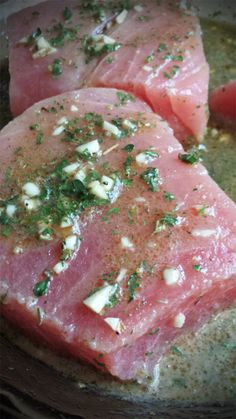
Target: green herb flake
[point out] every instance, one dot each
(168, 219)
(31, 39)
(128, 148)
(113, 211)
(39, 138)
(127, 165)
(162, 47)
(41, 287)
(56, 67)
(133, 285)
(230, 345)
(148, 353)
(197, 268)
(127, 182)
(151, 178)
(151, 153)
(166, 75)
(34, 127)
(125, 98)
(110, 59)
(63, 34)
(177, 58)
(149, 58)
(176, 351)
(175, 70)
(180, 382)
(192, 157)
(6, 231)
(168, 196)
(67, 13)
(92, 50)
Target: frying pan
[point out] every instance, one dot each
(33, 389)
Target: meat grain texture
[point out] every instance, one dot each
(154, 51)
(154, 255)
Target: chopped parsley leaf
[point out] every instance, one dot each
(133, 285)
(168, 196)
(63, 34)
(56, 67)
(151, 178)
(197, 268)
(129, 148)
(92, 50)
(125, 98)
(177, 351)
(162, 47)
(41, 287)
(127, 165)
(67, 13)
(192, 157)
(39, 138)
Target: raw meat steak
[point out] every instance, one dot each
(222, 103)
(111, 236)
(153, 50)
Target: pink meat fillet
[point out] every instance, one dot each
(222, 103)
(164, 249)
(160, 59)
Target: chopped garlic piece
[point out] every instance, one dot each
(147, 68)
(111, 128)
(100, 298)
(126, 243)
(115, 323)
(121, 275)
(104, 39)
(140, 199)
(179, 320)
(143, 159)
(138, 8)
(58, 130)
(122, 16)
(66, 222)
(171, 276)
(62, 121)
(107, 183)
(18, 250)
(71, 242)
(80, 175)
(74, 108)
(60, 267)
(44, 234)
(30, 204)
(128, 124)
(93, 147)
(44, 48)
(71, 168)
(97, 189)
(203, 232)
(31, 189)
(10, 210)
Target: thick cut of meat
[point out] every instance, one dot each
(222, 103)
(155, 51)
(162, 61)
(157, 247)
(31, 79)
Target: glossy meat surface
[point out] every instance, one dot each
(163, 241)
